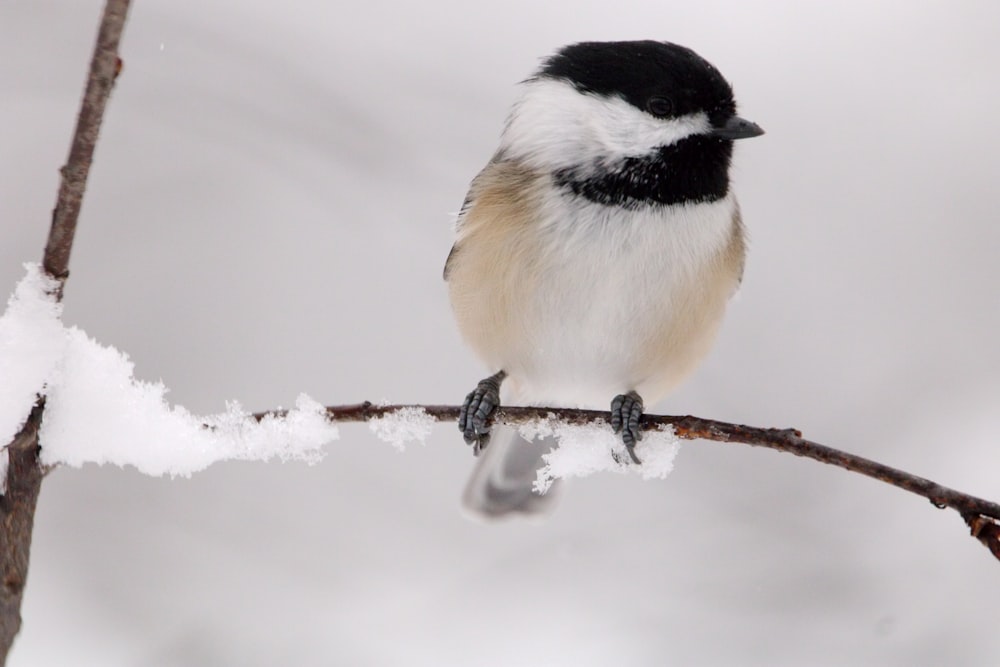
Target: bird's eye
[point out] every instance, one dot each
(660, 106)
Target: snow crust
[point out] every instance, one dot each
(98, 412)
(585, 449)
(407, 424)
(32, 341)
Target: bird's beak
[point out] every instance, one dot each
(737, 128)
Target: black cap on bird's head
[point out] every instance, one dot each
(628, 124)
(662, 79)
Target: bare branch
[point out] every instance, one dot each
(104, 68)
(981, 515)
(24, 474)
(17, 511)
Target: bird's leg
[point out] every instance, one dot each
(477, 412)
(626, 411)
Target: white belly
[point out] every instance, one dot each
(596, 301)
(622, 307)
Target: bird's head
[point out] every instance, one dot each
(593, 105)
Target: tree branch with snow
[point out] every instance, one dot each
(580, 432)
(24, 475)
(97, 412)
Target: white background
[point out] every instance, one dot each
(269, 212)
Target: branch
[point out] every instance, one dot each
(981, 515)
(24, 475)
(104, 68)
(17, 509)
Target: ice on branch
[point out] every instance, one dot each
(584, 449)
(409, 424)
(98, 412)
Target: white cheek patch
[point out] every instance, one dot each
(554, 126)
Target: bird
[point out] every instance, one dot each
(596, 252)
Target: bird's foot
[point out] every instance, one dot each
(626, 411)
(477, 412)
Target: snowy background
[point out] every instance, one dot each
(269, 213)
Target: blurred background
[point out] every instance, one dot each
(269, 212)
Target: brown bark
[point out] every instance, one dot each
(104, 68)
(17, 518)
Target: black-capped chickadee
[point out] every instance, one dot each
(596, 252)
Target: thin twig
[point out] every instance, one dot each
(981, 515)
(104, 68)
(24, 475)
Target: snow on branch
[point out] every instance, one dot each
(31, 343)
(96, 411)
(982, 516)
(23, 475)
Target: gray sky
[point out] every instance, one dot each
(269, 213)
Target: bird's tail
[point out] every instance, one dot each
(502, 481)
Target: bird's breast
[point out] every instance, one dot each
(579, 301)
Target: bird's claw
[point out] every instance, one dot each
(476, 412)
(626, 412)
